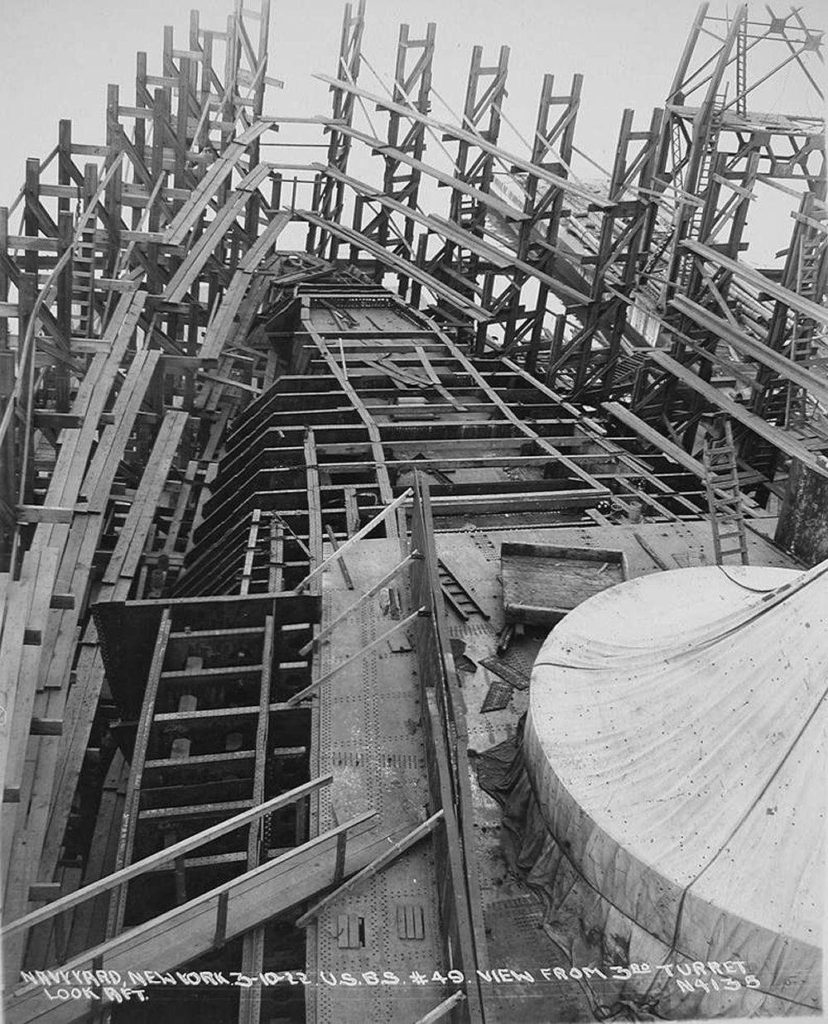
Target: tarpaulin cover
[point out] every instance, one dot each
(674, 779)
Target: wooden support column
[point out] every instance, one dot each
(206, 86)
(250, 553)
(277, 555)
(314, 510)
(160, 114)
(181, 124)
(27, 292)
(253, 941)
(85, 258)
(112, 199)
(8, 459)
(64, 313)
(4, 276)
(328, 196)
(141, 97)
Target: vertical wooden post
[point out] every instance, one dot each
(112, 200)
(206, 84)
(160, 111)
(86, 275)
(27, 292)
(64, 312)
(64, 162)
(4, 277)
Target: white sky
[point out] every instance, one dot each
(57, 56)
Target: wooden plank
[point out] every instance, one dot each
(276, 556)
(486, 199)
(220, 169)
(473, 243)
(121, 570)
(181, 504)
(253, 941)
(43, 514)
(363, 597)
(104, 465)
(372, 869)
(196, 759)
(758, 280)
(265, 242)
(648, 548)
(442, 1009)
(449, 783)
(657, 440)
(368, 528)
(343, 568)
(49, 702)
(668, 448)
(780, 439)
(508, 414)
(250, 552)
(27, 606)
(374, 436)
(123, 563)
(314, 509)
(396, 263)
(314, 686)
(472, 138)
(189, 930)
(352, 508)
(167, 855)
(90, 402)
(79, 712)
(200, 253)
(88, 920)
(220, 327)
(742, 342)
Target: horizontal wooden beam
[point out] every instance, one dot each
(44, 514)
(46, 727)
(40, 891)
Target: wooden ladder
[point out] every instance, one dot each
(803, 342)
(723, 497)
(456, 594)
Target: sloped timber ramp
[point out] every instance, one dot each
(675, 747)
(196, 927)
